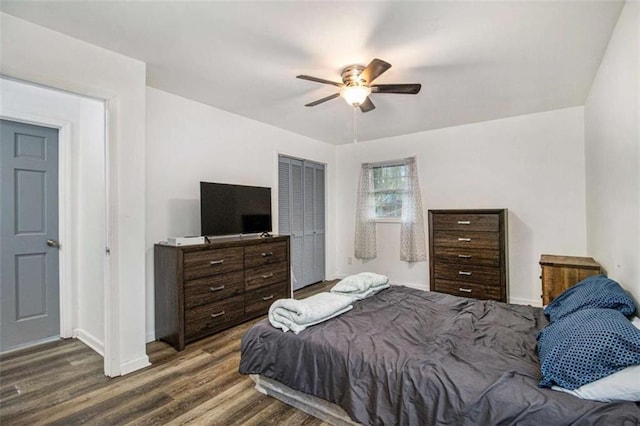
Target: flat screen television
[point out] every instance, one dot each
(234, 209)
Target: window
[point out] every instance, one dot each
(389, 187)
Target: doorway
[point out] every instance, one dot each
(81, 123)
(301, 215)
(29, 258)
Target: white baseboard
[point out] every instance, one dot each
(521, 301)
(335, 277)
(150, 336)
(134, 365)
(89, 340)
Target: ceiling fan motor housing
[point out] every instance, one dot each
(351, 76)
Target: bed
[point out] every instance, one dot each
(405, 356)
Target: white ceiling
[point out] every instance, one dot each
(476, 60)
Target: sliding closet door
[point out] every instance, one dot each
(301, 215)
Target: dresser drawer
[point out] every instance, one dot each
(477, 291)
(265, 254)
(205, 319)
(265, 275)
(468, 273)
(210, 289)
(470, 239)
(204, 263)
(257, 302)
(466, 222)
(467, 256)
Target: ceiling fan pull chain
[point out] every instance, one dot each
(355, 127)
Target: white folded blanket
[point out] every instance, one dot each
(296, 315)
(361, 285)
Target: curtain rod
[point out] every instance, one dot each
(390, 162)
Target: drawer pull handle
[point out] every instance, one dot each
(464, 222)
(216, 288)
(216, 262)
(465, 290)
(265, 298)
(464, 256)
(264, 277)
(217, 314)
(464, 239)
(267, 254)
(464, 273)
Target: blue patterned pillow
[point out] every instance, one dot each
(586, 346)
(596, 291)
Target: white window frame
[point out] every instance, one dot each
(387, 219)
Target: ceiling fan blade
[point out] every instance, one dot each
(318, 80)
(374, 70)
(407, 89)
(319, 101)
(367, 105)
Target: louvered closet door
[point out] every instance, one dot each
(301, 215)
(296, 212)
(309, 227)
(284, 182)
(319, 231)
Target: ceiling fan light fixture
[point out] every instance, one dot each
(355, 95)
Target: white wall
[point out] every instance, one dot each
(37, 54)
(532, 165)
(612, 117)
(189, 142)
(83, 189)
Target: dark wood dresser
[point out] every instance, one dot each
(203, 289)
(468, 253)
(561, 272)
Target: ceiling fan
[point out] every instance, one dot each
(356, 85)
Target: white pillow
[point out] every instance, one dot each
(621, 386)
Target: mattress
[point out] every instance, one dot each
(410, 357)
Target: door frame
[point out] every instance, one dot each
(64, 211)
(111, 356)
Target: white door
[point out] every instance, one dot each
(29, 292)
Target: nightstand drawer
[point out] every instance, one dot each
(204, 263)
(468, 273)
(265, 276)
(205, 319)
(467, 256)
(210, 289)
(458, 239)
(265, 254)
(466, 222)
(258, 301)
(476, 291)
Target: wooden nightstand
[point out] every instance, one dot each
(561, 272)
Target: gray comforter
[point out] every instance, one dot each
(411, 357)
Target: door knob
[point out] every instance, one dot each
(53, 243)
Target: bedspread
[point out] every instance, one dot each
(411, 357)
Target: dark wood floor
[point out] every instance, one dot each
(62, 383)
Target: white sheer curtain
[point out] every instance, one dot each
(413, 246)
(365, 243)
